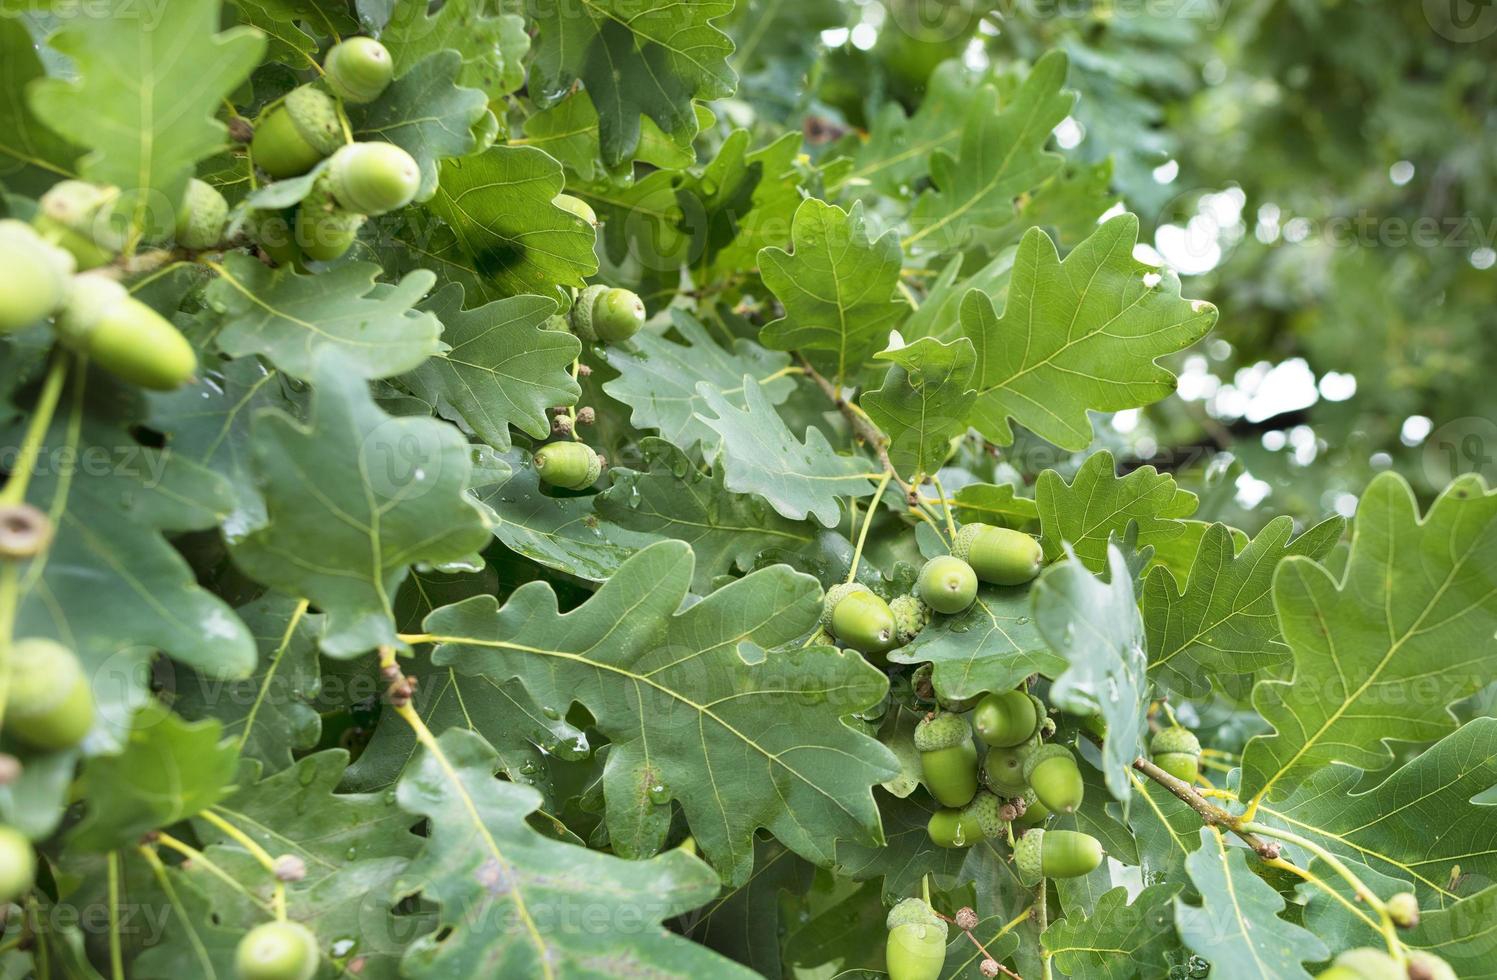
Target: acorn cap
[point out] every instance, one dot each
(1424, 965)
(985, 808)
(910, 616)
(1044, 754)
(91, 297)
(75, 203)
(914, 912)
(961, 546)
(1029, 857)
(942, 730)
(315, 116)
(835, 595)
(582, 311)
(1174, 739)
(202, 216)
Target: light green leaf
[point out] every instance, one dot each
(673, 499)
(1221, 629)
(353, 499)
(503, 888)
(1409, 629)
(502, 366)
(1098, 504)
(837, 287)
(658, 379)
(693, 702)
(1077, 335)
(923, 402)
(899, 148)
(1002, 154)
(994, 503)
(568, 131)
(295, 320)
(1118, 940)
(1237, 927)
(760, 455)
(1096, 628)
(492, 46)
(146, 96)
(992, 646)
(636, 57)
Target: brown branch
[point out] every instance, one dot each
(1211, 814)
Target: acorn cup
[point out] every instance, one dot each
(859, 619)
(373, 178)
(358, 69)
(282, 950)
(124, 336)
(74, 215)
(1056, 854)
(37, 276)
(603, 314)
(910, 617)
(1008, 717)
(49, 705)
(297, 134)
(948, 759)
(202, 216)
(569, 465)
(17, 865)
(916, 946)
(999, 555)
(1052, 773)
(1177, 751)
(947, 584)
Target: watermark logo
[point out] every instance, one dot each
(1462, 21)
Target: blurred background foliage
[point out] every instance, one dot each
(1322, 170)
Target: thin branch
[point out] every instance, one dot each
(1211, 814)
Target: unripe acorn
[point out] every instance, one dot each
(577, 206)
(1403, 909)
(37, 276)
(295, 135)
(125, 336)
(17, 865)
(202, 216)
(74, 215)
(1035, 812)
(324, 230)
(1003, 769)
(277, 951)
(1052, 773)
(948, 758)
(910, 617)
(570, 465)
(50, 704)
(972, 824)
(274, 232)
(999, 555)
(1177, 751)
(1007, 718)
(859, 619)
(916, 947)
(947, 584)
(1365, 963)
(607, 315)
(373, 178)
(358, 69)
(1056, 854)
(1427, 966)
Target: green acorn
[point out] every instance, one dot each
(125, 336)
(953, 827)
(373, 178)
(202, 216)
(1003, 769)
(999, 555)
(916, 947)
(297, 134)
(358, 69)
(607, 315)
(17, 865)
(50, 704)
(1035, 812)
(1365, 963)
(1056, 854)
(910, 617)
(570, 465)
(858, 618)
(948, 758)
(1177, 751)
(947, 584)
(577, 206)
(1008, 717)
(1055, 778)
(1427, 966)
(1403, 909)
(74, 215)
(275, 233)
(37, 276)
(325, 230)
(277, 951)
